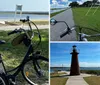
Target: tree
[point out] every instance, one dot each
(95, 1)
(87, 3)
(74, 4)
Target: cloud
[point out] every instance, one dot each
(54, 2)
(64, 3)
(58, 4)
(64, 0)
(69, 3)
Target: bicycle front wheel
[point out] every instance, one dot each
(31, 72)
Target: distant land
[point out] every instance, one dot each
(27, 12)
(58, 8)
(81, 68)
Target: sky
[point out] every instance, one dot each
(64, 3)
(28, 5)
(89, 54)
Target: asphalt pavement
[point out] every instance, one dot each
(58, 29)
(76, 80)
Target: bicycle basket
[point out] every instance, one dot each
(21, 38)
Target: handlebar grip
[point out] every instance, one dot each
(23, 20)
(63, 34)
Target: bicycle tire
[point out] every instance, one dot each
(31, 76)
(3, 79)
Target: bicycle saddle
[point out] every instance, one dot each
(2, 42)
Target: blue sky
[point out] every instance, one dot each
(89, 54)
(28, 5)
(63, 3)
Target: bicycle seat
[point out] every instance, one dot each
(2, 42)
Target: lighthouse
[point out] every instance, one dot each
(74, 69)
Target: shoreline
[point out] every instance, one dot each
(30, 19)
(11, 22)
(7, 28)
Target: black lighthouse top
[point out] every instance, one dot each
(74, 50)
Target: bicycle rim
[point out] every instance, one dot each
(32, 76)
(2, 82)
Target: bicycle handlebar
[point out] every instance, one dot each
(23, 30)
(25, 20)
(14, 31)
(66, 32)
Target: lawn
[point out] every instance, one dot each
(37, 22)
(57, 74)
(58, 81)
(95, 72)
(13, 55)
(91, 21)
(93, 80)
(55, 78)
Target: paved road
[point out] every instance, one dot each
(76, 80)
(57, 29)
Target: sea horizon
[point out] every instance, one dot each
(28, 12)
(52, 69)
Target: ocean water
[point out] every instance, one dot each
(52, 69)
(11, 16)
(57, 10)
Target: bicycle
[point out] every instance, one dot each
(34, 67)
(81, 36)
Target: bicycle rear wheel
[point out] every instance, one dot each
(3, 80)
(38, 73)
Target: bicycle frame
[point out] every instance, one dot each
(18, 68)
(26, 57)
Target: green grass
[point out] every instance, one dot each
(13, 55)
(55, 78)
(95, 72)
(92, 80)
(57, 74)
(58, 81)
(37, 22)
(55, 13)
(91, 21)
